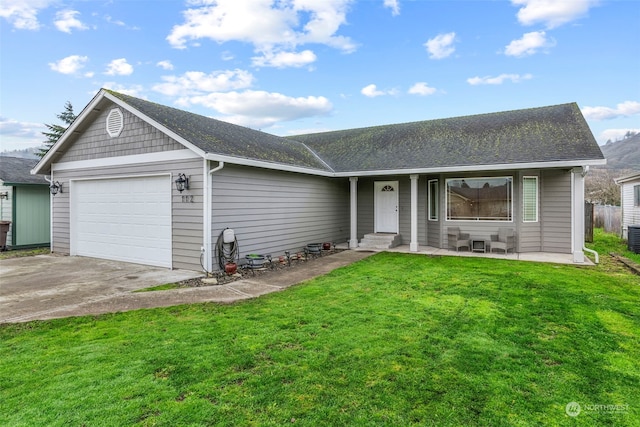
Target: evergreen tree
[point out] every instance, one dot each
(56, 130)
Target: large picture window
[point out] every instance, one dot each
(480, 199)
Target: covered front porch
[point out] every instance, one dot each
(541, 209)
(551, 257)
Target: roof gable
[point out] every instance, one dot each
(217, 137)
(536, 135)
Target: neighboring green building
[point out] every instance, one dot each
(26, 202)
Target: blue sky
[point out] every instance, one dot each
(298, 66)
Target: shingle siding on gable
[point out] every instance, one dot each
(137, 137)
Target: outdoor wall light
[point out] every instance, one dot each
(182, 183)
(4, 195)
(55, 188)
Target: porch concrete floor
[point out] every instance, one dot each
(557, 258)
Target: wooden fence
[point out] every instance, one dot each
(609, 218)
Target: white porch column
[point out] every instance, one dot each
(577, 214)
(413, 245)
(353, 239)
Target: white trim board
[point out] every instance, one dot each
(162, 156)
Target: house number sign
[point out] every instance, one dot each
(187, 199)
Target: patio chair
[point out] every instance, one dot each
(504, 240)
(457, 239)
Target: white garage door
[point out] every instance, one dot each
(123, 219)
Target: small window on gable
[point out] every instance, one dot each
(115, 122)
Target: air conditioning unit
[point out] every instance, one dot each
(633, 238)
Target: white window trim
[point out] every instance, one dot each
(477, 221)
(429, 198)
(537, 198)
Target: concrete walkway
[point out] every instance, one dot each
(26, 291)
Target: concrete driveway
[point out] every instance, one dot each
(48, 286)
(45, 286)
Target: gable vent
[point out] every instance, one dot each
(115, 122)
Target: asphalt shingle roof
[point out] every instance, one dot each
(544, 134)
(15, 170)
(218, 137)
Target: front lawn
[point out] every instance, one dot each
(395, 339)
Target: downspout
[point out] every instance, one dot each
(217, 168)
(207, 216)
(585, 171)
(50, 213)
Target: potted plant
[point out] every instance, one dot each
(230, 268)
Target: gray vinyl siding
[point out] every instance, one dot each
(529, 235)
(630, 212)
(137, 137)
(365, 206)
(555, 211)
(187, 226)
(272, 212)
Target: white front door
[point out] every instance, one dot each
(386, 206)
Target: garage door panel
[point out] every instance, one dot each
(124, 219)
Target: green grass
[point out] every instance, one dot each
(606, 243)
(395, 339)
(18, 253)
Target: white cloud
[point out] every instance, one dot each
(165, 65)
(372, 91)
(624, 109)
(119, 67)
(23, 14)
(529, 44)
(498, 80)
(66, 21)
(441, 45)
(394, 5)
(552, 13)
(422, 89)
(69, 65)
(285, 59)
(11, 127)
(614, 134)
(197, 83)
(269, 25)
(259, 109)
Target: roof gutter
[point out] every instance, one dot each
(267, 165)
(475, 168)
